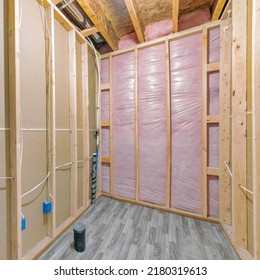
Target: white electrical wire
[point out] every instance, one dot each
(4, 129)
(66, 4)
(99, 87)
(226, 163)
(245, 189)
(6, 178)
(36, 187)
(21, 14)
(64, 165)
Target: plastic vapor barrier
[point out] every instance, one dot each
(152, 124)
(105, 71)
(124, 124)
(105, 134)
(128, 41)
(193, 19)
(158, 29)
(105, 105)
(214, 45)
(105, 172)
(186, 117)
(213, 196)
(213, 129)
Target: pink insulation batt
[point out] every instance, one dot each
(158, 29)
(213, 129)
(152, 124)
(128, 41)
(105, 146)
(193, 19)
(105, 71)
(124, 124)
(105, 173)
(186, 116)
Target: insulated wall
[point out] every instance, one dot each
(152, 124)
(105, 123)
(186, 119)
(4, 138)
(124, 124)
(160, 122)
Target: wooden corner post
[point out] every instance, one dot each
(239, 83)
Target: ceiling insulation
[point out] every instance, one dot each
(152, 11)
(117, 13)
(187, 6)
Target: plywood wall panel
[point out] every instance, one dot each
(80, 167)
(34, 170)
(62, 122)
(79, 124)
(32, 66)
(33, 116)
(62, 76)
(79, 86)
(62, 177)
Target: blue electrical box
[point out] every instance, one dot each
(23, 223)
(46, 206)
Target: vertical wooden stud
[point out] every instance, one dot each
(256, 129)
(225, 112)
(136, 129)
(239, 83)
(15, 139)
(204, 121)
(86, 175)
(112, 180)
(50, 74)
(168, 116)
(73, 121)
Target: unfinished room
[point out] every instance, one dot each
(129, 130)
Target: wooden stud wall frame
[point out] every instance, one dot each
(207, 119)
(78, 129)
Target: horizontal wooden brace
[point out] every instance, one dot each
(213, 67)
(105, 123)
(213, 119)
(89, 31)
(213, 171)
(105, 86)
(105, 160)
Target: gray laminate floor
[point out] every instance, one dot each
(120, 231)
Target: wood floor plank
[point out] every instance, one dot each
(120, 231)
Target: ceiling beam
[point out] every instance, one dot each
(175, 15)
(89, 31)
(217, 8)
(55, 2)
(95, 12)
(136, 20)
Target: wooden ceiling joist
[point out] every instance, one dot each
(136, 20)
(55, 2)
(95, 12)
(89, 31)
(175, 15)
(218, 6)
